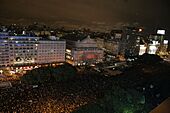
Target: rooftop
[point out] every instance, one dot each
(74, 37)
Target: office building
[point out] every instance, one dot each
(130, 43)
(158, 44)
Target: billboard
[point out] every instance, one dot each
(161, 32)
(165, 42)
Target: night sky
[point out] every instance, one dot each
(94, 13)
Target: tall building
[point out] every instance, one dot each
(112, 43)
(82, 51)
(158, 44)
(130, 43)
(4, 52)
(23, 50)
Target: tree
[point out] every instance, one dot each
(48, 74)
(149, 59)
(117, 100)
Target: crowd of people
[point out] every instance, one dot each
(85, 88)
(56, 97)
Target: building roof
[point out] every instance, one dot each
(117, 31)
(51, 38)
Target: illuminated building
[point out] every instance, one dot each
(116, 35)
(111, 42)
(4, 53)
(23, 50)
(153, 47)
(100, 42)
(82, 51)
(115, 41)
(130, 43)
(142, 49)
(158, 43)
(51, 51)
(4, 33)
(108, 45)
(112, 46)
(164, 49)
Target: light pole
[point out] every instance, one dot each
(1, 71)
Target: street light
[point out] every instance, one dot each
(140, 29)
(1, 71)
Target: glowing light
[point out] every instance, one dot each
(165, 42)
(161, 32)
(155, 43)
(1, 71)
(140, 30)
(69, 57)
(152, 49)
(67, 50)
(142, 50)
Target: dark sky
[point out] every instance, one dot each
(101, 13)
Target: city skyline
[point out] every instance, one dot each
(84, 56)
(94, 14)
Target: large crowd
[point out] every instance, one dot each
(56, 97)
(70, 95)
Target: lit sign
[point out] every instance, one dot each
(161, 32)
(140, 30)
(165, 42)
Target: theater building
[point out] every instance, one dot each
(82, 51)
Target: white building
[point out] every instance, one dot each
(51, 51)
(22, 50)
(142, 49)
(4, 52)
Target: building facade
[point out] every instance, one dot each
(130, 43)
(158, 44)
(51, 51)
(4, 52)
(83, 52)
(22, 50)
